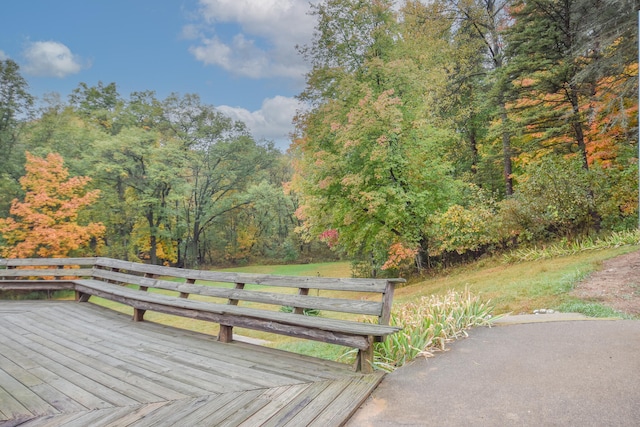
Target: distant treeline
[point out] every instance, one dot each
(434, 131)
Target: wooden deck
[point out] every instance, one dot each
(69, 364)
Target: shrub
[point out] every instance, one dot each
(429, 324)
(553, 199)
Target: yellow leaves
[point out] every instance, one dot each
(461, 229)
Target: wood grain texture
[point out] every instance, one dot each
(69, 364)
(153, 288)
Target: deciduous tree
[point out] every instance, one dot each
(47, 222)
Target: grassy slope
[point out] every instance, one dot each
(520, 287)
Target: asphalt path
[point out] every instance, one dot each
(534, 370)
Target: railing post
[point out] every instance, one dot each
(301, 291)
(226, 331)
(364, 359)
(188, 282)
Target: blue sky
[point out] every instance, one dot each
(238, 55)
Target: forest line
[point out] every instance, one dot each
(439, 131)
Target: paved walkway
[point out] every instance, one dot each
(535, 370)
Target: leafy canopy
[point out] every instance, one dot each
(46, 223)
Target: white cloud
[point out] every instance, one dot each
(272, 122)
(3, 56)
(241, 56)
(52, 59)
(265, 47)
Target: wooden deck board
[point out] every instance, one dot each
(72, 364)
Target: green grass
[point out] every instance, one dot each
(325, 269)
(591, 309)
(516, 288)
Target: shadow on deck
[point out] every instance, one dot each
(69, 364)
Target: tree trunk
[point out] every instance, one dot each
(153, 241)
(506, 151)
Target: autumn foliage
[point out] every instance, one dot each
(46, 224)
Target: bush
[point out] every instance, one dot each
(429, 324)
(553, 199)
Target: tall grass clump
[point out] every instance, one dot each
(566, 247)
(428, 324)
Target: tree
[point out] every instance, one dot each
(348, 33)
(378, 181)
(544, 65)
(222, 159)
(47, 222)
(261, 228)
(142, 169)
(15, 109)
(609, 39)
(369, 154)
(15, 104)
(98, 103)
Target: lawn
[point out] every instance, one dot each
(516, 288)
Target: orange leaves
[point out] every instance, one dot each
(399, 255)
(612, 119)
(45, 223)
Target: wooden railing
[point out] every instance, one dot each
(252, 301)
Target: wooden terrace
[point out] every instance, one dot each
(68, 364)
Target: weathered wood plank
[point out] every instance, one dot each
(70, 332)
(116, 380)
(11, 407)
(265, 362)
(163, 364)
(53, 420)
(337, 284)
(278, 398)
(240, 405)
(137, 414)
(241, 316)
(46, 272)
(317, 405)
(37, 262)
(36, 285)
(174, 357)
(31, 401)
(199, 416)
(297, 404)
(65, 371)
(345, 405)
(341, 305)
(87, 354)
(171, 413)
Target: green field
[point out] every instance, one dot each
(326, 269)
